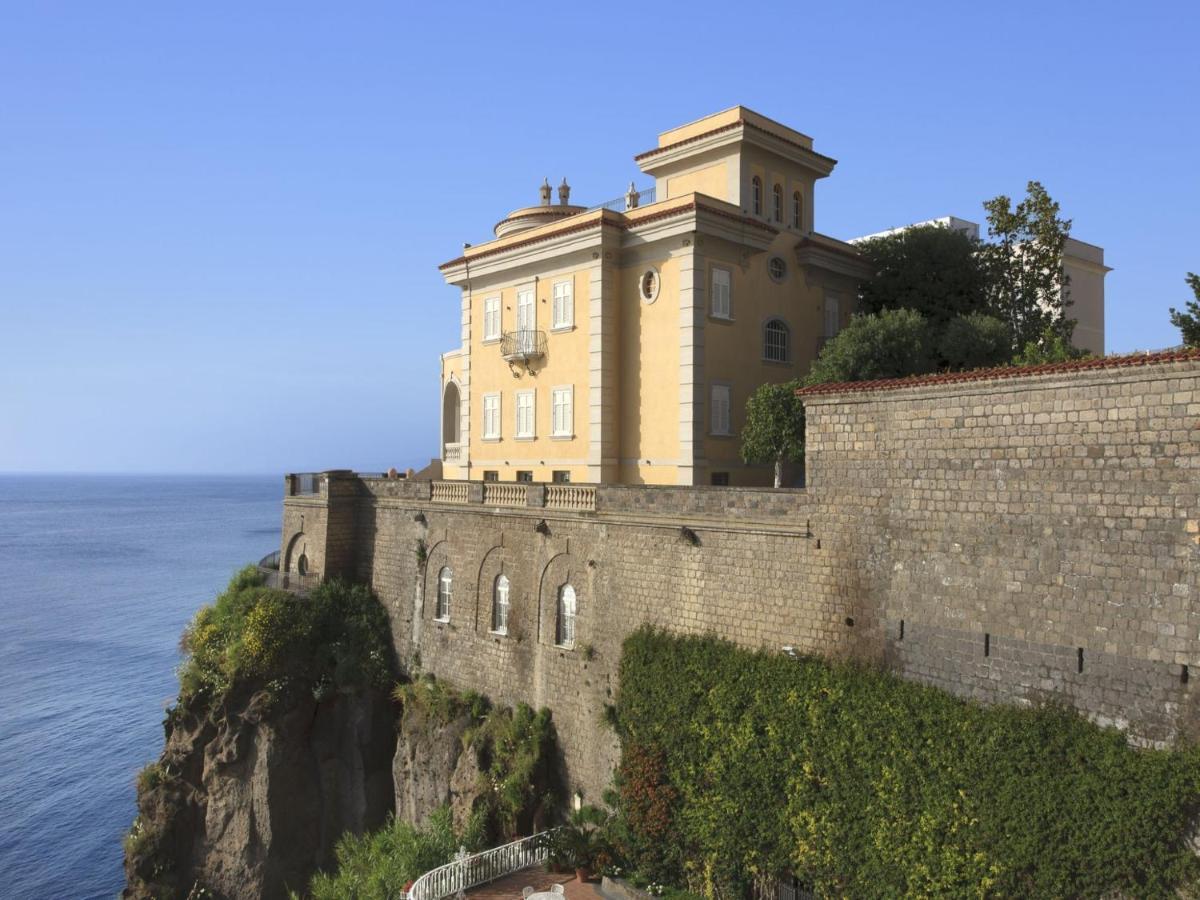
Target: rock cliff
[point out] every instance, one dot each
(250, 798)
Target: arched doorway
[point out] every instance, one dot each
(451, 422)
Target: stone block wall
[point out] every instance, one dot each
(1007, 540)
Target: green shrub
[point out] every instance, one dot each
(893, 343)
(975, 341)
(754, 764)
(378, 865)
(337, 636)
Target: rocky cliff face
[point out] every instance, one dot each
(250, 798)
(433, 768)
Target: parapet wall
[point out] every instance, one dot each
(1003, 539)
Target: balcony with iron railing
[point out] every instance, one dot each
(468, 870)
(526, 343)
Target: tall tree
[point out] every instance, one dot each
(1188, 321)
(1028, 287)
(930, 268)
(774, 430)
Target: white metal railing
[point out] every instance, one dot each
(468, 870)
(449, 492)
(571, 496)
(497, 494)
(453, 453)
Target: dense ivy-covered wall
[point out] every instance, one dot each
(737, 764)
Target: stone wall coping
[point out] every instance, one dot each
(1155, 366)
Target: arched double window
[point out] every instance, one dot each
(500, 605)
(564, 623)
(775, 341)
(445, 582)
(797, 210)
(777, 199)
(756, 194)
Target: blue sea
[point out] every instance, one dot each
(98, 577)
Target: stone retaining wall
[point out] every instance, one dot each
(1005, 540)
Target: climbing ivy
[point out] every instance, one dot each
(866, 785)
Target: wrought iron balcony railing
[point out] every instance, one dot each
(524, 344)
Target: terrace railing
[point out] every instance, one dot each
(450, 492)
(503, 494)
(468, 870)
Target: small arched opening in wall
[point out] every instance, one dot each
(558, 573)
(495, 599)
(451, 416)
(437, 558)
(297, 548)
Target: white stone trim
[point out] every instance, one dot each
(693, 308)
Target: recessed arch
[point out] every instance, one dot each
(451, 414)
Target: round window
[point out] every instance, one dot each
(649, 284)
(776, 268)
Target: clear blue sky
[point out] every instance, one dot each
(220, 223)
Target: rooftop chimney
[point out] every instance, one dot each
(564, 193)
(545, 191)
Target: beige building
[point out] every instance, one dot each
(620, 343)
(1083, 264)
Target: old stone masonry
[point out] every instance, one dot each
(1006, 536)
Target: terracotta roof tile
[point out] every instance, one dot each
(1004, 372)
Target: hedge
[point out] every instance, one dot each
(738, 764)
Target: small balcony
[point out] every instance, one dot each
(526, 344)
(454, 453)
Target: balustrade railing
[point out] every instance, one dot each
(571, 496)
(471, 870)
(454, 453)
(450, 492)
(501, 494)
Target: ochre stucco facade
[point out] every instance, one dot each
(676, 307)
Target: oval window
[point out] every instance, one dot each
(648, 285)
(777, 268)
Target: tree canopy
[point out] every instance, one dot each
(1027, 286)
(1188, 321)
(930, 269)
(892, 343)
(774, 430)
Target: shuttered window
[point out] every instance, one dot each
(564, 305)
(491, 416)
(721, 306)
(491, 319)
(526, 404)
(562, 417)
(719, 414)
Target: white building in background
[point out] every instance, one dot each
(1084, 266)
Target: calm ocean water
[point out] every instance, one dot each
(98, 576)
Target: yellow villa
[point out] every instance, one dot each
(620, 343)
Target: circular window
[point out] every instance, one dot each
(649, 284)
(776, 268)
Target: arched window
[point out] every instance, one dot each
(777, 198)
(445, 580)
(500, 605)
(775, 341)
(756, 194)
(797, 210)
(451, 421)
(564, 626)
(302, 564)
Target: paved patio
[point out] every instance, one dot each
(509, 887)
